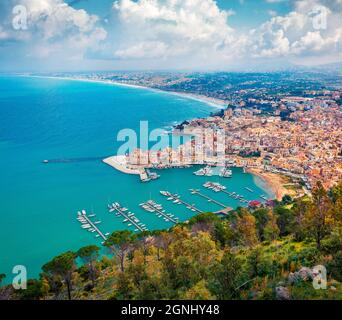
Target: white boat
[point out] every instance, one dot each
(125, 220)
(84, 212)
(129, 224)
(92, 215)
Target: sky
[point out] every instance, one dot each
(81, 35)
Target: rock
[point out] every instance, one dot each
(305, 274)
(282, 293)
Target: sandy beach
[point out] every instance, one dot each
(217, 103)
(274, 181)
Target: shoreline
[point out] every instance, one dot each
(216, 103)
(275, 182)
(272, 181)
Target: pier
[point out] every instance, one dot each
(196, 192)
(84, 215)
(160, 212)
(220, 188)
(176, 197)
(72, 160)
(119, 210)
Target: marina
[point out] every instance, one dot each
(197, 192)
(128, 217)
(152, 206)
(87, 224)
(175, 198)
(217, 187)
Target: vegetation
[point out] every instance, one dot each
(267, 253)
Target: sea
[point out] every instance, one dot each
(44, 118)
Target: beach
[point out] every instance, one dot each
(217, 103)
(273, 181)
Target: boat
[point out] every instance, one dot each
(97, 222)
(125, 220)
(249, 189)
(226, 173)
(129, 224)
(92, 215)
(200, 172)
(84, 212)
(45, 161)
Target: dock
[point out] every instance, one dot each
(196, 192)
(119, 210)
(97, 230)
(175, 197)
(220, 188)
(160, 212)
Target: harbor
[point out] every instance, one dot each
(153, 207)
(175, 198)
(89, 225)
(217, 187)
(129, 217)
(197, 192)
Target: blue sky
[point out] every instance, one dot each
(64, 35)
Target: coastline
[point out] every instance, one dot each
(216, 103)
(275, 182)
(272, 181)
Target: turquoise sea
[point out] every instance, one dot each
(51, 119)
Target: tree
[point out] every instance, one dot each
(261, 216)
(299, 209)
(198, 292)
(246, 226)
(285, 220)
(145, 241)
(2, 277)
(226, 277)
(318, 218)
(120, 242)
(62, 266)
(271, 230)
(89, 256)
(33, 290)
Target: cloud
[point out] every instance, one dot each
(168, 33)
(55, 27)
(172, 28)
(313, 28)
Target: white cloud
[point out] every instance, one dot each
(312, 28)
(172, 28)
(56, 28)
(193, 33)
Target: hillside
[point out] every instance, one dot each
(268, 253)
